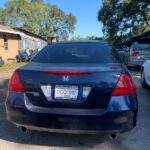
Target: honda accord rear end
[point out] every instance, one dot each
(73, 87)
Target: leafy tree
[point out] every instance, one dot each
(93, 37)
(77, 38)
(36, 1)
(38, 17)
(123, 18)
(2, 14)
(135, 15)
(108, 15)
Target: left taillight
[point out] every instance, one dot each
(15, 84)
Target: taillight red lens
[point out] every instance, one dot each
(135, 54)
(15, 84)
(125, 86)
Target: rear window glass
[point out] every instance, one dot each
(77, 53)
(141, 47)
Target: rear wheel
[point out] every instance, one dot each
(143, 81)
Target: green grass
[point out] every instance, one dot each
(9, 67)
(135, 73)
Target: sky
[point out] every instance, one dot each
(86, 12)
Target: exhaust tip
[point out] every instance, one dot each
(113, 136)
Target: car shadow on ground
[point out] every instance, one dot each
(10, 132)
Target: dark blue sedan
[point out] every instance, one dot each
(73, 87)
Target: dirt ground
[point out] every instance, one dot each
(11, 138)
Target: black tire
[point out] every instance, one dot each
(143, 81)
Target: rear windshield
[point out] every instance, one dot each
(77, 53)
(141, 47)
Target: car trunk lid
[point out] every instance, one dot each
(101, 78)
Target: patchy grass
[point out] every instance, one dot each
(9, 67)
(135, 73)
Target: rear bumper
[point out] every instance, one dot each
(110, 120)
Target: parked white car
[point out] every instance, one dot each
(145, 75)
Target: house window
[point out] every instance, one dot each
(5, 42)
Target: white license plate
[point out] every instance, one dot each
(66, 92)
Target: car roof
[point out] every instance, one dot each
(81, 41)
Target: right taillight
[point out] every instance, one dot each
(125, 86)
(15, 84)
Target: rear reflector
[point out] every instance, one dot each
(125, 86)
(47, 89)
(62, 72)
(86, 91)
(15, 84)
(135, 54)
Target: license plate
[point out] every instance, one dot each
(66, 92)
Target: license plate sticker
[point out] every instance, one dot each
(66, 92)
